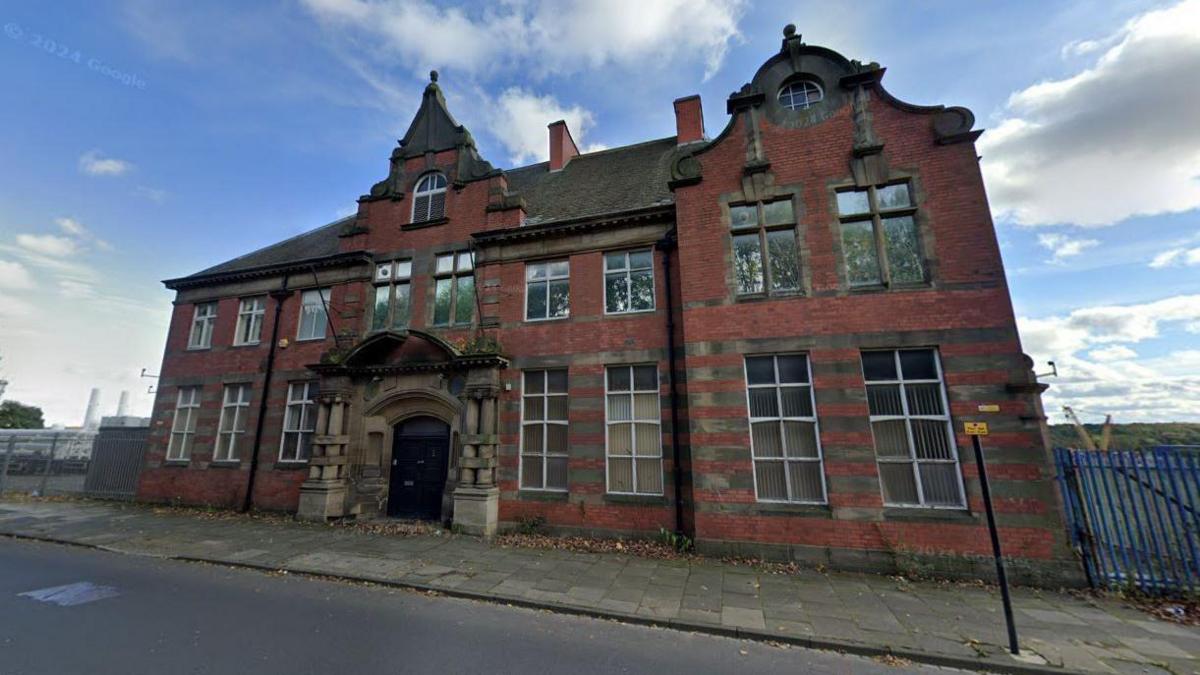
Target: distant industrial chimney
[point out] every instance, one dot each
(123, 404)
(91, 418)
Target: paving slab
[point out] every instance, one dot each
(939, 623)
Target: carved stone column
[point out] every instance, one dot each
(323, 494)
(477, 497)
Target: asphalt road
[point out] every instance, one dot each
(163, 616)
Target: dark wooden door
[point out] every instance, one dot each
(420, 452)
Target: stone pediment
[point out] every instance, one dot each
(404, 351)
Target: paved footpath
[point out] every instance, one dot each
(948, 624)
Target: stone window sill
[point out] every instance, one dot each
(919, 514)
(225, 464)
(177, 462)
(543, 496)
(643, 500)
(425, 223)
(788, 509)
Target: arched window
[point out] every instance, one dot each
(429, 200)
(800, 94)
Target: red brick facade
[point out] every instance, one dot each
(857, 136)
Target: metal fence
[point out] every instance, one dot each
(57, 461)
(1133, 515)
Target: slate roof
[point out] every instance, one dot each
(610, 181)
(317, 243)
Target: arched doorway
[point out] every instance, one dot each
(420, 455)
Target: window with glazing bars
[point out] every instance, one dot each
(392, 295)
(634, 438)
(314, 315)
(544, 407)
(880, 242)
(766, 258)
(454, 301)
(547, 290)
(429, 199)
(203, 319)
(250, 321)
(784, 440)
(629, 281)
(235, 406)
(910, 420)
(183, 428)
(299, 422)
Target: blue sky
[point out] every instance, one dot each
(147, 140)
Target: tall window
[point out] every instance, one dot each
(250, 321)
(313, 316)
(783, 430)
(547, 290)
(299, 421)
(544, 430)
(234, 408)
(914, 442)
(879, 236)
(392, 293)
(203, 319)
(634, 441)
(629, 281)
(183, 429)
(454, 304)
(765, 256)
(429, 199)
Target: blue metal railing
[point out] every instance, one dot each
(1134, 515)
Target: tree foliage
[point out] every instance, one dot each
(14, 415)
(1130, 436)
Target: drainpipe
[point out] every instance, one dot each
(668, 244)
(279, 296)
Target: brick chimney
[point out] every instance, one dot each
(689, 119)
(562, 146)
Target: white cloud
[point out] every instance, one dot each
(153, 194)
(1099, 372)
(1115, 140)
(1175, 257)
(1063, 246)
(543, 36)
(81, 234)
(520, 122)
(47, 244)
(14, 275)
(94, 164)
(1113, 353)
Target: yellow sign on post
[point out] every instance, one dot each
(976, 428)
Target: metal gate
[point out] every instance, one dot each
(1133, 515)
(116, 462)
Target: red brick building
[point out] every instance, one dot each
(768, 339)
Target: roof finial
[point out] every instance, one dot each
(789, 30)
(433, 76)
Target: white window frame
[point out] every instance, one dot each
(462, 264)
(238, 405)
(323, 295)
(780, 419)
(305, 426)
(912, 459)
(187, 409)
(544, 423)
(428, 186)
(251, 313)
(545, 281)
(392, 275)
(633, 421)
(204, 318)
(804, 84)
(627, 274)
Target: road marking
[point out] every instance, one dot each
(72, 594)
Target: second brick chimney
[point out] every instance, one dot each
(689, 119)
(562, 146)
